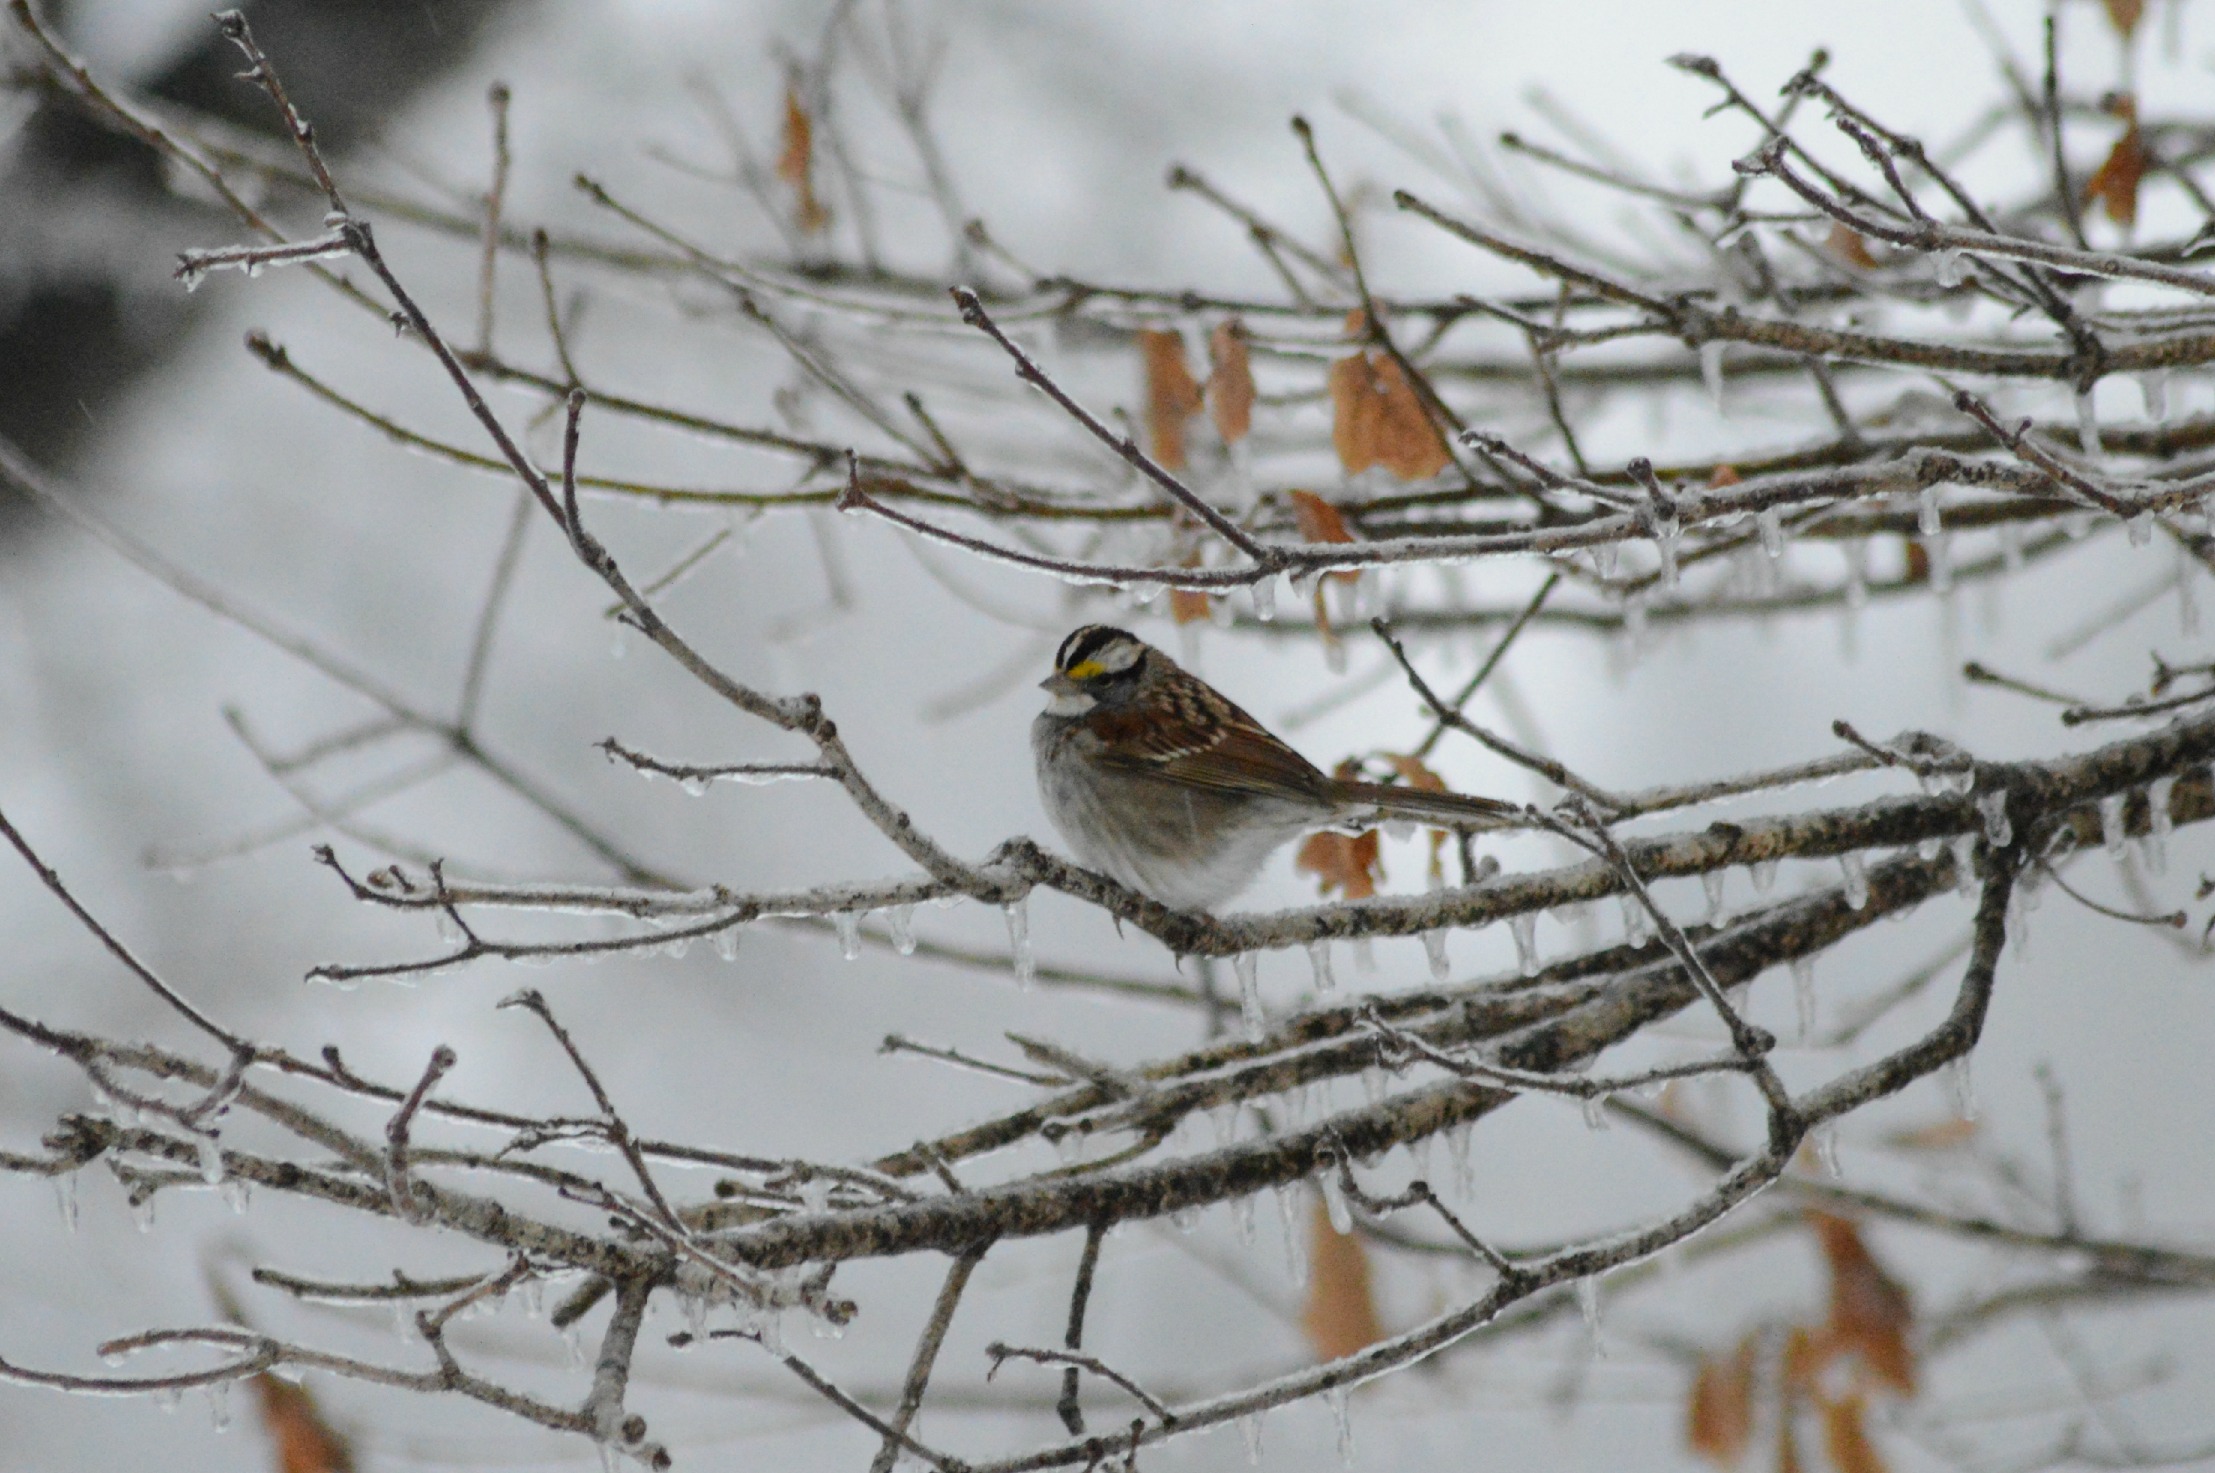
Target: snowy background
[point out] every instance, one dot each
(1059, 122)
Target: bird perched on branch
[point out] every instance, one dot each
(1160, 782)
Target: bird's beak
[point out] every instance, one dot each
(1058, 684)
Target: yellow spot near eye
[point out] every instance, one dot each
(1086, 669)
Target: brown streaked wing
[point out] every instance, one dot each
(1210, 743)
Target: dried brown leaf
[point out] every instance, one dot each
(1847, 245)
(1353, 413)
(1377, 419)
(1348, 863)
(1723, 475)
(1317, 519)
(2124, 16)
(2114, 185)
(1788, 1447)
(1340, 1316)
(1870, 1313)
(1416, 774)
(1805, 1353)
(1230, 381)
(1172, 394)
(1190, 606)
(1846, 1437)
(1719, 1422)
(297, 1430)
(1917, 566)
(796, 165)
(1408, 444)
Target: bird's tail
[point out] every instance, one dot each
(1385, 802)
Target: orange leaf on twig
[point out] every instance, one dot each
(1846, 244)
(1377, 419)
(1870, 1314)
(1720, 1420)
(1723, 475)
(1347, 863)
(1416, 774)
(2114, 184)
(1230, 381)
(796, 165)
(1172, 394)
(1846, 1439)
(303, 1440)
(2124, 16)
(1340, 1316)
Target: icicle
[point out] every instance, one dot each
(1961, 1088)
(235, 1194)
(1185, 1219)
(449, 930)
(1927, 519)
(1606, 556)
(1264, 594)
(901, 918)
(1524, 929)
(142, 1211)
(1946, 268)
(2111, 823)
(65, 1198)
(2154, 389)
(1249, 1432)
(169, 1398)
(1824, 1138)
(1434, 952)
(1998, 832)
(1458, 1159)
(1374, 1084)
(1242, 1215)
(573, 1344)
(1334, 1201)
(1595, 1111)
(1763, 873)
(1939, 552)
(1856, 874)
(1295, 1251)
(1856, 552)
(1965, 863)
(1319, 957)
(1668, 532)
(1342, 1416)
(1018, 914)
(1711, 370)
(219, 1405)
(211, 1160)
(1711, 884)
(1635, 919)
(848, 926)
(2088, 425)
(2011, 546)
(530, 1297)
(2139, 528)
(726, 944)
(1770, 520)
(1588, 1305)
(2159, 824)
(1803, 995)
(1246, 966)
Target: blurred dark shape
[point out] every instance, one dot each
(89, 233)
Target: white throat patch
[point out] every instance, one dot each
(1069, 703)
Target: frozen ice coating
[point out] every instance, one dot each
(402, 656)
